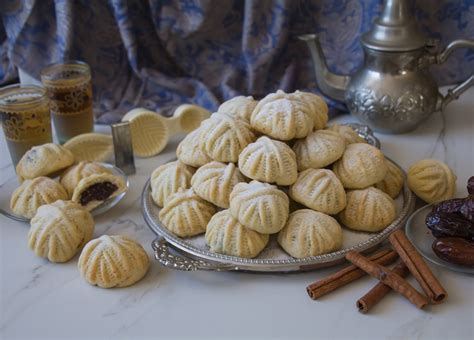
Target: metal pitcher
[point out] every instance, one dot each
(394, 90)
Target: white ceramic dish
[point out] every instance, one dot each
(105, 206)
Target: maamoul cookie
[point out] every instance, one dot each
(319, 149)
(320, 190)
(310, 233)
(215, 181)
(186, 214)
(33, 193)
(283, 116)
(168, 178)
(223, 136)
(71, 177)
(432, 180)
(368, 210)
(347, 133)
(44, 160)
(259, 206)
(59, 230)
(240, 106)
(91, 147)
(360, 166)
(392, 184)
(225, 235)
(93, 190)
(270, 161)
(113, 261)
(189, 150)
(318, 105)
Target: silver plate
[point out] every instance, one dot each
(192, 253)
(105, 206)
(422, 239)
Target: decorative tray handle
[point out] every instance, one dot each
(163, 255)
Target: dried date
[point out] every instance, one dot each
(464, 207)
(449, 206)
(455, 250)
(449, 224)
(467, 208)
(470, 185)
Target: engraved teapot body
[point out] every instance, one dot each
(394, 91)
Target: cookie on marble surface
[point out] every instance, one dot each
(319, 189)
(368, 210)
(432, 180)
(190, 151)
(71, 177)
(33, 193)
(269, 161)
(186, 214)
(59, 230)
(113, 261)
(348, 133)
(226, 235)
(392, 183)
(215, 181)
(223, 137)
(93, 190)
(44, 160)
(239, 106)
(360, 166)
(319, 149)
(283, 116)
(310, 233)
(168, 178)
(259, 206)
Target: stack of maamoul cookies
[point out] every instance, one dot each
(259, 168)
(61, 223)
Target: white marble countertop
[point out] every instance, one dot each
(45, 300)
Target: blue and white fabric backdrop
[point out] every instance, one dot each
(161, 53)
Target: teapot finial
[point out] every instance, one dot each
(396, 30)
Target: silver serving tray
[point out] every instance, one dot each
(192, 253)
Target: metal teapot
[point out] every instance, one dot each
(394, 91)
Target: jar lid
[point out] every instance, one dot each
(395, 30)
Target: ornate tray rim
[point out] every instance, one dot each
(206, 260)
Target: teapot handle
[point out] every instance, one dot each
(459, 89)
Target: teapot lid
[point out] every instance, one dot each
(395, 30)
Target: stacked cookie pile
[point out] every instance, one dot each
(61, 222)
(240, 174)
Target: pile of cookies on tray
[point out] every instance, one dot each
(273, 167)
(60, 215)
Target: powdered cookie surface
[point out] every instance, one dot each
(113, 261)
(44, 160)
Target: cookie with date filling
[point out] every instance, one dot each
(95, 189)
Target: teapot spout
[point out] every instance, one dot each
(331, 84)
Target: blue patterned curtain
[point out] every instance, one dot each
(160, 53)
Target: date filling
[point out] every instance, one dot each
(98, 192)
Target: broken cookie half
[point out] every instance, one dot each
(93, 190)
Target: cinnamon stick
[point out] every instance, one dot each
(347, 275)
(373, 296)
(385, 275)
(418, 267)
